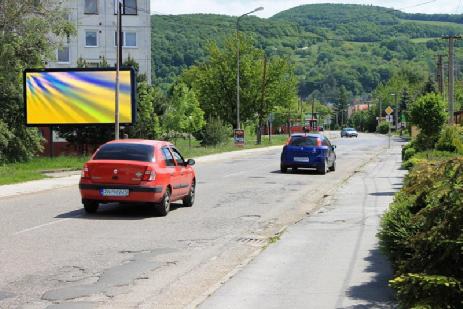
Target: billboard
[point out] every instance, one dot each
(78, 96)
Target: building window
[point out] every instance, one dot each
(63, 54)
(129, 39)
(129, 7)
(91, 39)
(91, 7)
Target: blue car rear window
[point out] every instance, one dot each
(125, 151)
(303, 141)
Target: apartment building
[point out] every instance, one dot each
(96, 38)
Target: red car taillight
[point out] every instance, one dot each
(149, 174)
(85, 172)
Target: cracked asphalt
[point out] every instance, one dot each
(53, 255)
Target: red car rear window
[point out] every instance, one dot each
(125, 151)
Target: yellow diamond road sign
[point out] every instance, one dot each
(389, 110)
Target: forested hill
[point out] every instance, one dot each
(362, 23)
(333, 45)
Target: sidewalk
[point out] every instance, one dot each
(331, 258)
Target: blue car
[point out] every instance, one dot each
(308, 151)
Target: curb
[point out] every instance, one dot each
(71, 178)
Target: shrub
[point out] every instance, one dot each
(215, 133)
(428, 113)
(5, 137)
(406, 147)
(383, 127)
(451, 139)
(422, 236)
(428, 291)
(426, 156)
(409, 152)
(396, 229)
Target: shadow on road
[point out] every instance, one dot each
(383, 193)
(117, 211)
(298, 172)
(375, 293)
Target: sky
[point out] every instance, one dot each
(272, 7)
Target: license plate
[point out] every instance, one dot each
(114, 192)
(301, 159)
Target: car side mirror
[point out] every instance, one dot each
(190, 162)
(333, 147)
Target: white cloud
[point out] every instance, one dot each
(238, 7)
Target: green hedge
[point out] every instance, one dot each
(451, 139)
(422, 234)
(422, 157)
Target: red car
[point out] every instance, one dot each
(141, 171)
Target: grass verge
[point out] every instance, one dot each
(34, 170)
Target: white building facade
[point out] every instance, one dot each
(96, 25)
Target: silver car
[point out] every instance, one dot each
(349, 132)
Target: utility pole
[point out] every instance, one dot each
(440, 74)
(451, 94)
(119, 56)
(380, 111)
(396, 112)
(312, 123)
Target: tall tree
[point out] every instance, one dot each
(264, 82)
(279, 87)
(215, 80)
(183, 114)
(30, 32)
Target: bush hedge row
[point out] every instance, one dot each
(422, 234)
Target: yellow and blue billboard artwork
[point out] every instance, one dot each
(77, 97)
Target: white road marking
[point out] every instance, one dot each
(40, 226)
(234, 174)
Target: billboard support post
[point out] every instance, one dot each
(119, 44)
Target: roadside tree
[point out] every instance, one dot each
(25, 42)
(183, 114)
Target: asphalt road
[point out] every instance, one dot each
(330, 259)
(55, 256)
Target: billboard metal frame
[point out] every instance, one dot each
(133, 94)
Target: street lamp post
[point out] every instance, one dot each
(238, 65)
(396, 112)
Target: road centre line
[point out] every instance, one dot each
(234, 174)
(41, 225)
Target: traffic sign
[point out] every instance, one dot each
(238, 137)
(389, 110)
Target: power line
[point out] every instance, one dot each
(417, 5)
